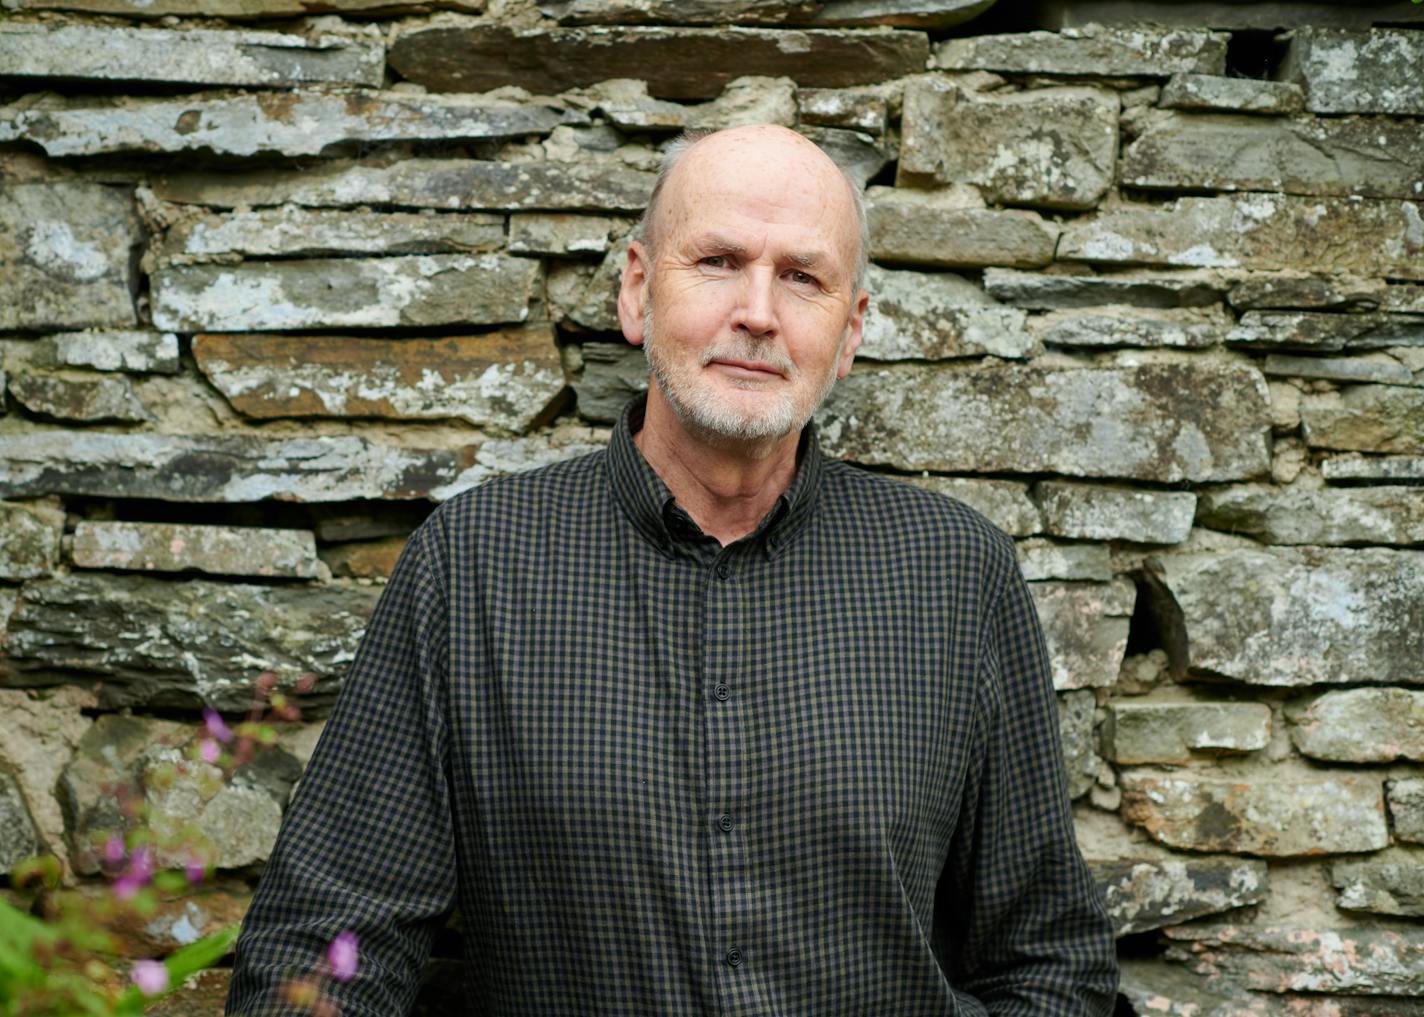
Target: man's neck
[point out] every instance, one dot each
(727, 488)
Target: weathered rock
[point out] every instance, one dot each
(29, 539)
(677, 63)
(1357, 72)
(1362, 515)
(1258, 231)
(241, 10)
(1225, 14)
(677, 12)
(40, 732)
(858, 154)
(1407, 297)
(627, 105)
(748, 100)
(589, 297)
(1240, 95)
(843, 107)
(228, 468)
(1360, 725)
(1380, 887)
(1099, 512)
(1124, 326)
(1306, 330)
(1274, 959)
(1302, 616)
(1179, 732)
(1406, 808)
(18, 839)
(66, 251)
(1075, 732)
(562, 235)
(339, 523)
(1400, 469)
(1042, 291)
(505, 379)
(1127, 422)
(1276, 818)
(236, 821)
(922, 316)
(500, 457)
(1155, 989)
(197, 56)
(1296, 291)
(1004, 502)
(903, 13)
(918, 228)
(204, 642)
(84, 398)
(612, 374)
(1378, 368)
(183, 547)
(1365, 418)
(134, 352)
(1044, 559)
(418, 290)
(1052, 147)
(1085, 626)
(367, 559)
(1148, 894)
(1375, 157)
(176, 921)
(1093, 51)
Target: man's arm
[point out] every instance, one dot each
(1026, 927)
(366, 846)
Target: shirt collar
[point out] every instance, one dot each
(647, 501)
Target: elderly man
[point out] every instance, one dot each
(703, 723)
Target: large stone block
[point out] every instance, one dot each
(611, 374)
(1127, 327)
(1360, 725)
(504, 379)
(1302, 616)
(1277, 818)
(18, 839)
(1179, 732)
(1139, 51)
(1237, 95)
(1099, 512)
(902, 13)
(1309, 292)
(1148, 894)
(1053, 147)
(1164, 422)
(1325, 332)
(1155, 989)
(936, 316)
(855, 109)
(196, 56)
(419, 290)
(1360, 515)
(1004, 502)
(1045, 291)
(29, 539)
(132, 352)
(1365, 418)
(1406, 808)
(678, 12)
(66, 250)
(80, 397)
(239, 10)
(1357, 72)
(37, 739)
(559, 234)
(1085, 627)
(676, 63)
(289, 123)
(920, 228)
(1389, 469)
(1380, 887)
(1045, 559)
(1274, 959)
(186, 547)
(1271, 232)
(1377, 368)
(1226, 14)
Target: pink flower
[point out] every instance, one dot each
(114, 850)
(209, 750)
(195, 869)
(216, 726)
(126, 886)
(150, 976)
(341, 955)
(141, 864)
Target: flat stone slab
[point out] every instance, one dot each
(1360, 725)
(1306, 291)
(82, 398)
(1180, 732)
(1051, 147)
(66, 251)
(128, 351)
(901, 13)
(1100, 512)
(1325, 332)
(29, 539)
(678, 12)
(1085, 627)
(1126, 327)
(1379, 887)
(843, 107)
(1148, 894)
(505, 379)
(423, 183)
(1333, 516)
(1302, 616)
(182, 547)
(1406, 808)
(562, 235)
(1403, 469)
(610, 374)
(1043, 291)
(1004, 502)
(1275, 959)
(1045, 559)
(1357, 72)
(1278, 818)
(676, 63)
(1365, 418)
(1126, 422)
(196, 56)
(1092, 51)
(434, 289)
(245, 9)
(912, 228)
(1377, 368)
(1270, 232)
(1238, 95)
(937, 316)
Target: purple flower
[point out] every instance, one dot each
(209, 750)
(195, 869)
(126, 886)
(341, 955)
(216, 726)
(150, 976)
(114, 850)
(141, 864)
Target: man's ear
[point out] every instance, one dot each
(855, 332)
(633, 293)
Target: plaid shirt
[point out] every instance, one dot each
(815, 772)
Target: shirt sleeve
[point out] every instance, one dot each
(1026, 928)
(366, 846)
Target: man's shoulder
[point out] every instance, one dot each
(541, 485)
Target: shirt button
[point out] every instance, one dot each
(734, 956)
(722, 692)
(725, 822)
(724, 571)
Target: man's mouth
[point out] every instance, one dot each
(748, 369)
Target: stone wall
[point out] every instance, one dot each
(1148, 290)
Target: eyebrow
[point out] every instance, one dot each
(717, 242)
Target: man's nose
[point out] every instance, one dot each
(756, 310)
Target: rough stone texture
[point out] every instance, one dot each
(1365, 515)
(1098, 512)
(1040, 291)
(1382, 888)
(1085, 626)
(1272, 817)
(367, 559)
(1148, 894)
(1075, 731)
(423, 183)
(40, 732)
(858, 154)
(1357, 72)
(1128, 422)
(183, 547)
(589, 298)
(1300, 291)
(84, 398)
(244, 9)
(1406, 808)
(290, 123)
(177, 921)
(627, 105)
(676, 63)
(923, 316)
(204, 642)
(1274, 959)
(220, 469)
(18, 839)
(563, 235)
(1239, 95)
(1360, 725)
(1326, 332)
(1258, 231)
(134, 352)
(29, 539)
(920, 228)
(1004, 502)
(1092, 51)
(1227, 14)
(1380, 368)
(1400, 469)
(1155, 989)
(747, 100)
(1053, 147)
(433, 289)
(1124, 327)
(1375, 157)
(1302, 616)
(1044, 559)
(1179, 732)
(190, 56)
(65, 247)
(677, 12)
(843, 107)
(611, 375)
(903, 13)
(1365, 418)
(505, 379)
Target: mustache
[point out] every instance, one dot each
(752, 350)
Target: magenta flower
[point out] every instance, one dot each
(126, 886)
(150, 976)
(195, 869)
(209, 750)
(216, 726)
(141, 864)
(114, 850)
(341, 955)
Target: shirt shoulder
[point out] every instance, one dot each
(527, 494)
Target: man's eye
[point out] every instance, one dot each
(803, 278)
(715, 261)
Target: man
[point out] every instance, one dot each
(704, 723)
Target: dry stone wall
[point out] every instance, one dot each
(1147, 290)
